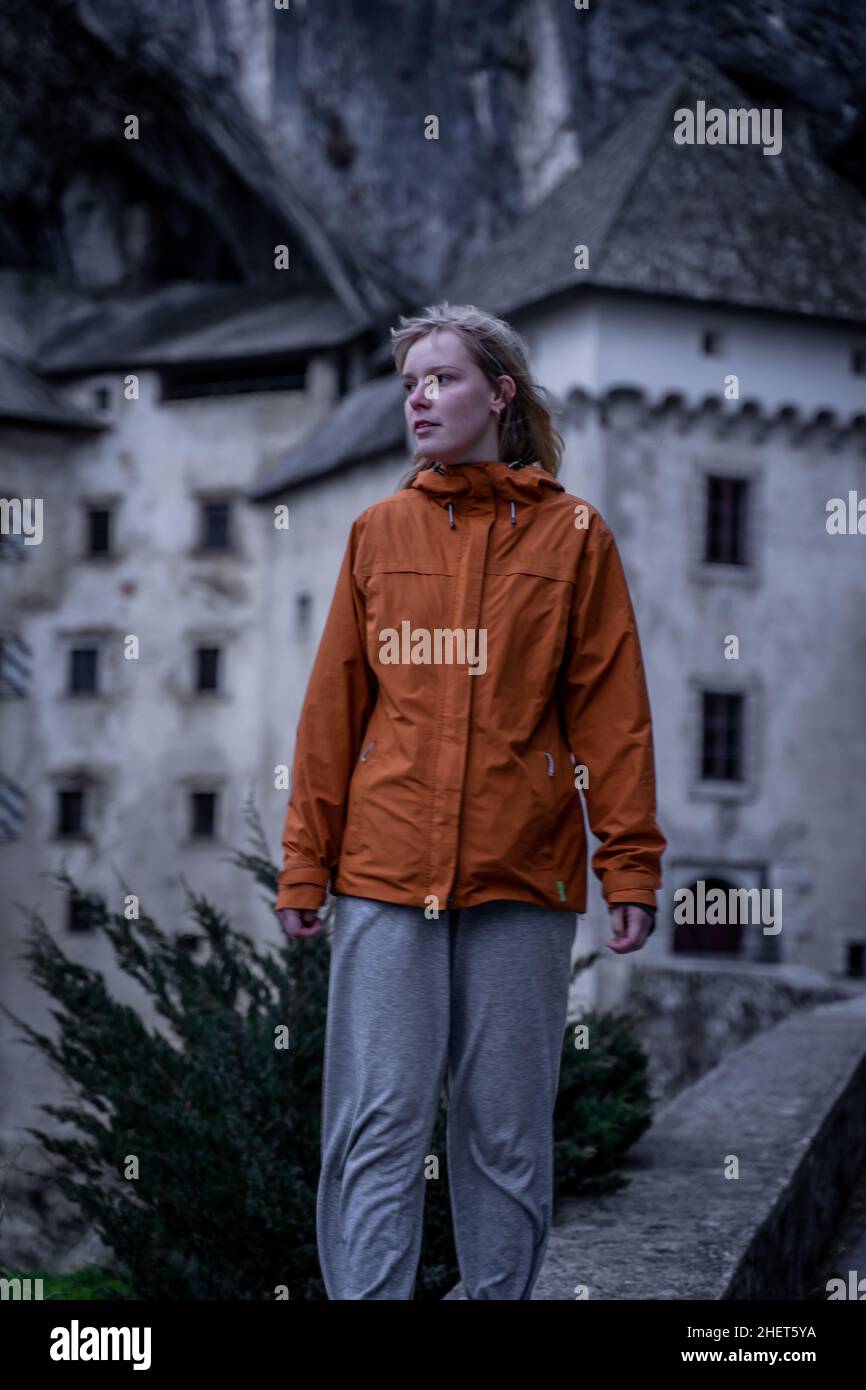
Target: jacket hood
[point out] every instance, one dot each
(513, 483)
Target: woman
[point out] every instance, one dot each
(480, 662)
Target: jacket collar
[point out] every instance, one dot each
(447, 483)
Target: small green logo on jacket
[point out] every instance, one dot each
(560, 888)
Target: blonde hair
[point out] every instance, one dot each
(526, 429)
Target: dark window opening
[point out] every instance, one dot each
(83, 670)
(711, 343)
(725, 535)
(203, 815)
(232, 379)
(722, 736)
(70, 811)
(856, 964)
(98, 531)
(215, 525)
(207, 668)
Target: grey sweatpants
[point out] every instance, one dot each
(483, 993)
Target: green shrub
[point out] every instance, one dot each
(223, 1126)
(603, 1104)
(89, 1282)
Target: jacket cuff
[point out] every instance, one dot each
(624, 886)
(301, 885)
(299, 895)
(636, 894)
(303, 873)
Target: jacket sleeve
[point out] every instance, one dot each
(339, 700)
(604, 706)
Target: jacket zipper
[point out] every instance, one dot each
(366, 750)
(551, 766)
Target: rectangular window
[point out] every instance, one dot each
(98, 531)
(83, 671)
(725, 539)
(203, 815)
(232, 378)
(207, 668)
(711, 342)
(70, 811)
(215, 529)
(722, 737)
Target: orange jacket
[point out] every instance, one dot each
(480, 661)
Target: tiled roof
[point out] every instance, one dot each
(367, 423)
(722, 223)
(27, 399)
(192, 322)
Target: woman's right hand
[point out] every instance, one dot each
(300, 921)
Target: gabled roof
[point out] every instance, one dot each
(27, 400)
(191, 322)
(367, 423)
(722, 223)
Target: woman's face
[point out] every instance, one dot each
(447, 393)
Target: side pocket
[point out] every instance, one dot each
(353, 839)
(539, 831)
